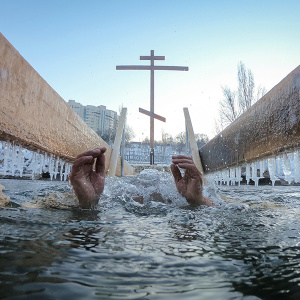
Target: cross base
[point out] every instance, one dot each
(151, 156)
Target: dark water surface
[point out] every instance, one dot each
(246, 248)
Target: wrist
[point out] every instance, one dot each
(199, 200)
(87, 202)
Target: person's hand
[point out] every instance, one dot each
(87, 182)
(190, 185)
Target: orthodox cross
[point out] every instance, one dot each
(151, 113)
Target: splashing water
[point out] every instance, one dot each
(160, 248)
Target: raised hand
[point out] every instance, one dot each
(87, 182)
(190, 185)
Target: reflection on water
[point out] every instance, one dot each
(246, 248)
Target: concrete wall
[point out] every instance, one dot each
(34, 114)
(270, 127)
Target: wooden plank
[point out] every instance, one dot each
(148, 113)
(117, 143)
(152, 57)
(32, 113)
(133, 67)
(171, 68)
(147, 68)
(270, 127)
(152, 110)
(192, 140)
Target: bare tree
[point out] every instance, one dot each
(109, 136)
(246, 87)
(180, 141)
(146, 140)
(228, 108)
(261, 91)
(201, 139)
(129, 134)
(218, 127)
(166, 138)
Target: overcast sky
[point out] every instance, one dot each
(76, 45)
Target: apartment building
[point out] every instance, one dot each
(100, 119)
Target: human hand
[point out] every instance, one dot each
(190, 185)
(87, 182)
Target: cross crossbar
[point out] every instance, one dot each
(152, 57)
(155, 116)
(141, 67)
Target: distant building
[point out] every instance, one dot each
(77, 107)
(101, 120)
(109, 121)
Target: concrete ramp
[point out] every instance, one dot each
(32, 113)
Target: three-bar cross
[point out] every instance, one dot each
(152, 115)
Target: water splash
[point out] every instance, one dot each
(149, 185)
(17, 161)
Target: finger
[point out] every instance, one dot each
(176, 173)
(183, 161)
(181, 157)
(103, 149)
(94, 153)
(82, 161)
(100, 163)
(186, 165)
(190, 170)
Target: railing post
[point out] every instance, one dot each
(117, 144)
(122, 152)
(193, 144)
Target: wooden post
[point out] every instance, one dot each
(193, 144)
(123, 152)
(117, 144)
(152, 110)
(187, 142)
